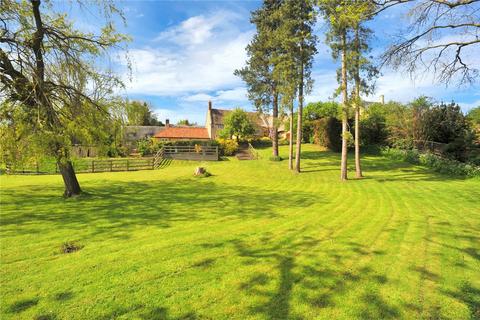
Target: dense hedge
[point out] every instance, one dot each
(328, 133)
(435, 162)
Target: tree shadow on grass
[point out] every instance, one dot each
(468, 295)
(296, 265)
(397, 170)
(22, 305)
(114, 208)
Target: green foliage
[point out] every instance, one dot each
(275, 158)
(262, 142)
(373, 129)
(311, 113)
(238, 124)
(140, 114)
(439, 164)
(145, 146)
(328, 133)
(227, 147)
(185, 122)
(317, 110)
(474, 116)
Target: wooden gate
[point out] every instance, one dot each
(198, 153)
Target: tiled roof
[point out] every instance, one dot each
(183, 133)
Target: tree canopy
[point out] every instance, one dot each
(237, 124)
(49, 75)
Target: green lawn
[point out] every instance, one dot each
(253, 241)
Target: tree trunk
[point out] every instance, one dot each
(290, 140)
(343, 167)
(299, 119)
(274, 124)
(358, 167)
(72, 187)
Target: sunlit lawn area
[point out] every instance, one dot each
(253, 241)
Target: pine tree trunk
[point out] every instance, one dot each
(358, 167)
(290, 140)
(299, 120)
(343, 167)
(72, 187)
(274, 124)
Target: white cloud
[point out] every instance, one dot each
(236, 94)
(224, 97)
(205, 52)
(198, 29)
(199, 97)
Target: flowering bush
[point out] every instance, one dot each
(227, 147)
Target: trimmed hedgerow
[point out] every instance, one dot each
(437, 163)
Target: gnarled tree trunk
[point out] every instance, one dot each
(72, 187)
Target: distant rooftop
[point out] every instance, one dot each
(183, 132)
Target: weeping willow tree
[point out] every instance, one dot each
(50, 76)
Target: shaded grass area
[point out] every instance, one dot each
(253, 241)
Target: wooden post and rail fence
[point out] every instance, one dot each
(195, 153)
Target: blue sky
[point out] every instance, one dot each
(184, 54)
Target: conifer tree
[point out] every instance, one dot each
(337, 14)
(258, 72)
(361, 70)
(348, 40)
(297, 42)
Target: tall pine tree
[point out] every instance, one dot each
(297, 41)
(360, 68)
(258, 72)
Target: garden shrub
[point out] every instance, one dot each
(227, 147)
(328, 133)
(373, 130)
(261, 142)
(144, 146)
(437, 163)
(275, 158)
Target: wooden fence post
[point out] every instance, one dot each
(93, 166)
(127, 164)
(111, 165)
(36, 165)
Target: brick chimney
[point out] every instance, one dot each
(167, 123)
(209, 122)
